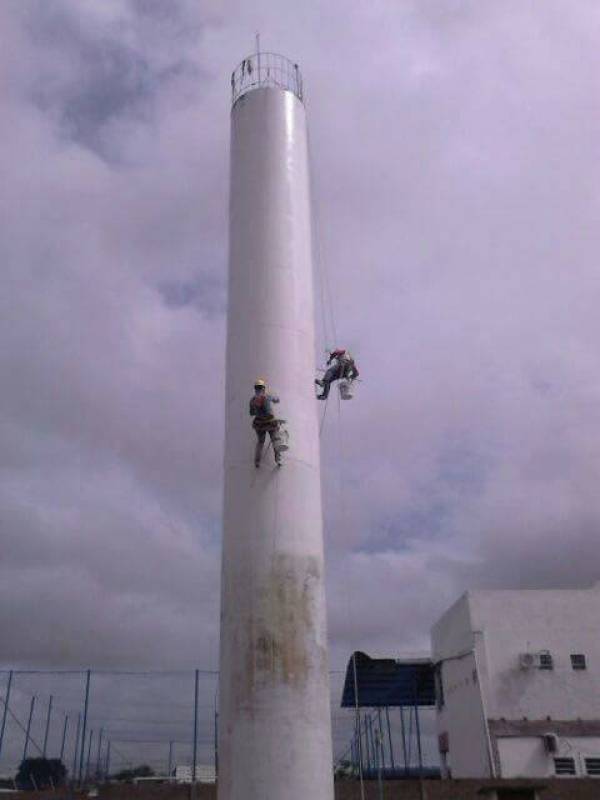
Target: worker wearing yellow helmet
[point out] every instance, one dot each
(264, 421)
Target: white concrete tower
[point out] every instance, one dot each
(274, 723)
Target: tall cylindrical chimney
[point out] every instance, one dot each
(274, 723)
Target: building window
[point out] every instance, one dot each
(592, 766)
(578, 661)
(546, 661)
(564, 766)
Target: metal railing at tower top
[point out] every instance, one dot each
(266, 69)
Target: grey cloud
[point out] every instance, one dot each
(455, 160)
(100, 83)
(207, 294)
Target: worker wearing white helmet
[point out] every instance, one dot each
(340, 365)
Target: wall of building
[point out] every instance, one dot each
(526, 755)
(461, 718)
(478, 643)
(560, 621)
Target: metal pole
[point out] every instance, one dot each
(31, 707)
(410, 716)
(419, 751)
(418, 731)
(107, 767)
(170, 764)
(389, 727)
(379, 759)
(197, 675)
(99, 751)
(89, 753)
(76, 747)
(64, 737)
(5, 712)
(47, 726)
(216, 743)
(357, 717)
(403, 740)
(373, 748)
(367, 747)
(381, 738)
(85, 714)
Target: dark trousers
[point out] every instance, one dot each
(261, 434)
(333, 374)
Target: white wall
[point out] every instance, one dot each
(525, 756)
(561, 621)
(478, 642)
(462, 717)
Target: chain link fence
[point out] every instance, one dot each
(168, 721)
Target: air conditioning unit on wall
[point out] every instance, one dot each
(529, 660)
(541, 660)
(550, 742)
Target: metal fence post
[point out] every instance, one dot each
(170, 764)
(418, 728)
(372, 742)
(389, 728)
(85, 715)
(89, 753)
(31, 707)
(49, 714)
(381, 738)
(64, 737)
(74, 776)
(216, 744)
(419, 750)
(357, 725)
(379, 760)
(196, 678)
(403, 740)
(99, 751)
(5, 712)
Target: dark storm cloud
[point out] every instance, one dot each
(105, 77)
(455, 165)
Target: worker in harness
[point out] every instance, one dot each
(340, 365)
(264, 421)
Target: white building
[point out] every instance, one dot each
(205, 773)
(518, 684)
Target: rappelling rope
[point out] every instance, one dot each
(329, 326)
(323, 418)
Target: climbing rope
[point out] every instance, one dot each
(327, 310)
(329, 332)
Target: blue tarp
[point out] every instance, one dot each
(389, 682)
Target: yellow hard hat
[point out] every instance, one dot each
(259, 382)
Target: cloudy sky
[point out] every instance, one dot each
(456, 153)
